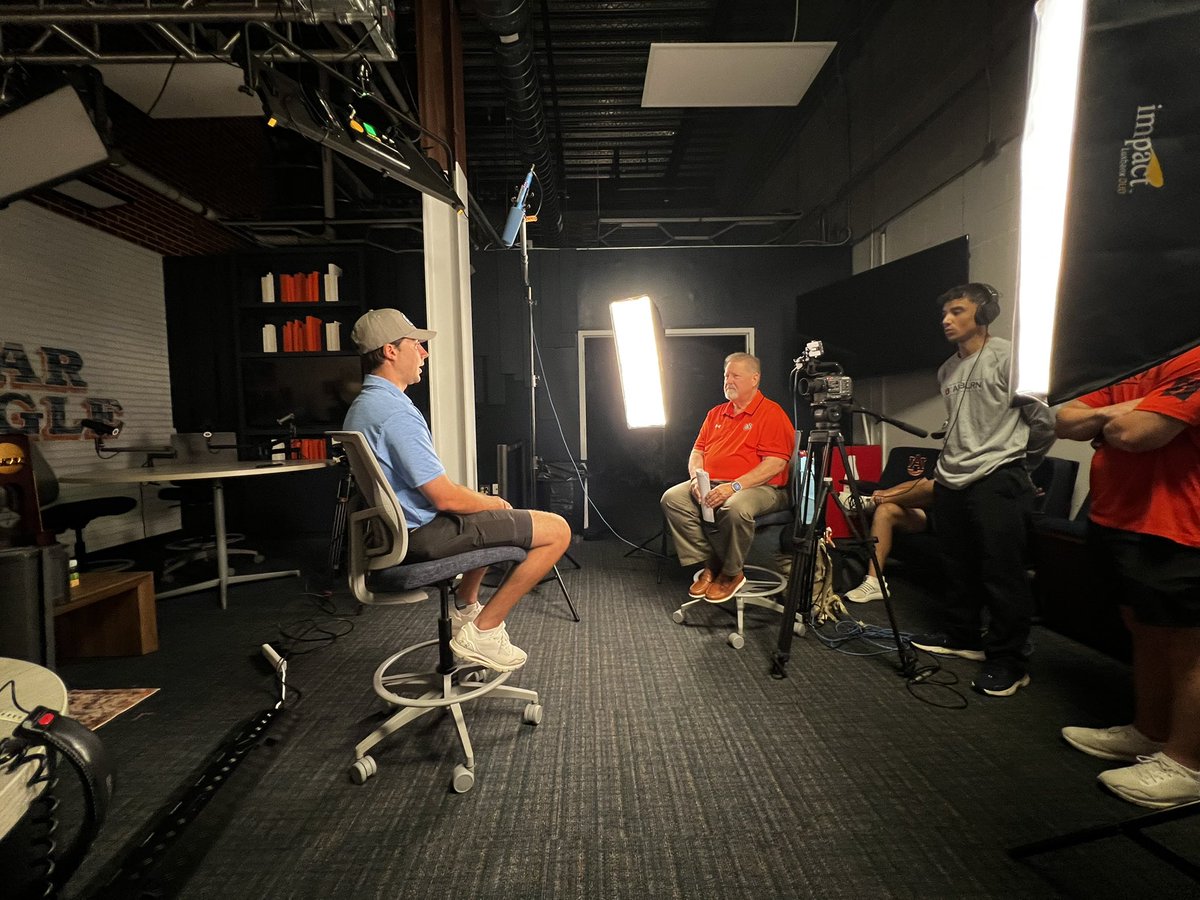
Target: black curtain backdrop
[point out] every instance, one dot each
(1128, 296)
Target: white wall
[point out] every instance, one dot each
(984, 204)
(68, 286)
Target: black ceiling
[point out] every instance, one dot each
(610, 158)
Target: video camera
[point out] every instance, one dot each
(821, 382)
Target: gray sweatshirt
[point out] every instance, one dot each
(983, 431)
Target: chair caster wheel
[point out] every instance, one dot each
(799, 628)
(677, 617)
(736, 641)
(258, 558)
(362, 770)
(532, 714)
(463, 780)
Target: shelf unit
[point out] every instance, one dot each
(314, 385)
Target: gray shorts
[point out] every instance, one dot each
(452, 533)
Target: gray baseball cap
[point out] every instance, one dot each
(377, 327)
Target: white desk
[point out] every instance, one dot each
(216, 472)
(33, 686)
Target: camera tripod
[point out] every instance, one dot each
(823, 440)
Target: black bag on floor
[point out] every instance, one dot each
(850, 560)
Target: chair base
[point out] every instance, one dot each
(413, 694)
(761, 585)
(203, 549)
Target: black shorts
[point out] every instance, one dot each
(452, 533)
(1157, 578)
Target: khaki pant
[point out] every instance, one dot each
(726, 541)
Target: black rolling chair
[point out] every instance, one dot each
(75, 515)
(378, 542)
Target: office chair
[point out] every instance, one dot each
(762, 584)
(378, 539)
(195, 499)
(75, 515)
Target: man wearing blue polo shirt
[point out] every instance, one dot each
(444, 517)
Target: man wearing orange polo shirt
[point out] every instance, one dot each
(744, 446)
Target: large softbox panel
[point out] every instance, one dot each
(1129, 293)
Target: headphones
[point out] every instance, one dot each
(988, 311)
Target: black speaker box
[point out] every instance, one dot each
(32, 581)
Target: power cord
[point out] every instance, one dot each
(578, 472)
(880, 641)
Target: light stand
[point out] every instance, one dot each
(830, 392)
(534, 461)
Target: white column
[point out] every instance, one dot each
(451, 365)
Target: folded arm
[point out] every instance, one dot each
(1079, 422)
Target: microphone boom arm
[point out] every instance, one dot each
(880, 417)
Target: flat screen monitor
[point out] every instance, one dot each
(885, 321)
(316, 389)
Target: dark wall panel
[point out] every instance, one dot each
(693, 288)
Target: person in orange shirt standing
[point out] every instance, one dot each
(744, 446)
(1144, 538)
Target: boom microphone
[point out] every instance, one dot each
(101, 429)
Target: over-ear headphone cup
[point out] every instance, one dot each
(989, 310)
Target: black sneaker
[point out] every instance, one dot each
(998, 680)
(942, 645)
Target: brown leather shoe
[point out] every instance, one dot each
(724, 587)
(699, 587)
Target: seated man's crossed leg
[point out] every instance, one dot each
(897, 510)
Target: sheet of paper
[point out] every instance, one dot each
(704, 486)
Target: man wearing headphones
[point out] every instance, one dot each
(983, 496)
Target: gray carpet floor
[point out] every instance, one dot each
(667, 764)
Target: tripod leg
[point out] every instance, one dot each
(566, 593)
(804, 550)
(907, 657)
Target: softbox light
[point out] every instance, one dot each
(1128, 295)
(46, 142)
(638, 334)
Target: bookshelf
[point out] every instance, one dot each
(294, 313)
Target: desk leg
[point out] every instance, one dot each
(222, 550)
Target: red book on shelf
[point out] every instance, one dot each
(312, 333)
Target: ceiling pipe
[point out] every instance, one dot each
(508, 20)
(159, 186)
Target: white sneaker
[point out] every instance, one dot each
(1157, 782)
(490, 648)
(460, 617)
(1121, 742)
(867, 591)
(846, 501)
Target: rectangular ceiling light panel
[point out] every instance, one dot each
(715, 75)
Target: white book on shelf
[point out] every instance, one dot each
(331, 283)
(333, 336)
(267, 287)
(270, 339)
